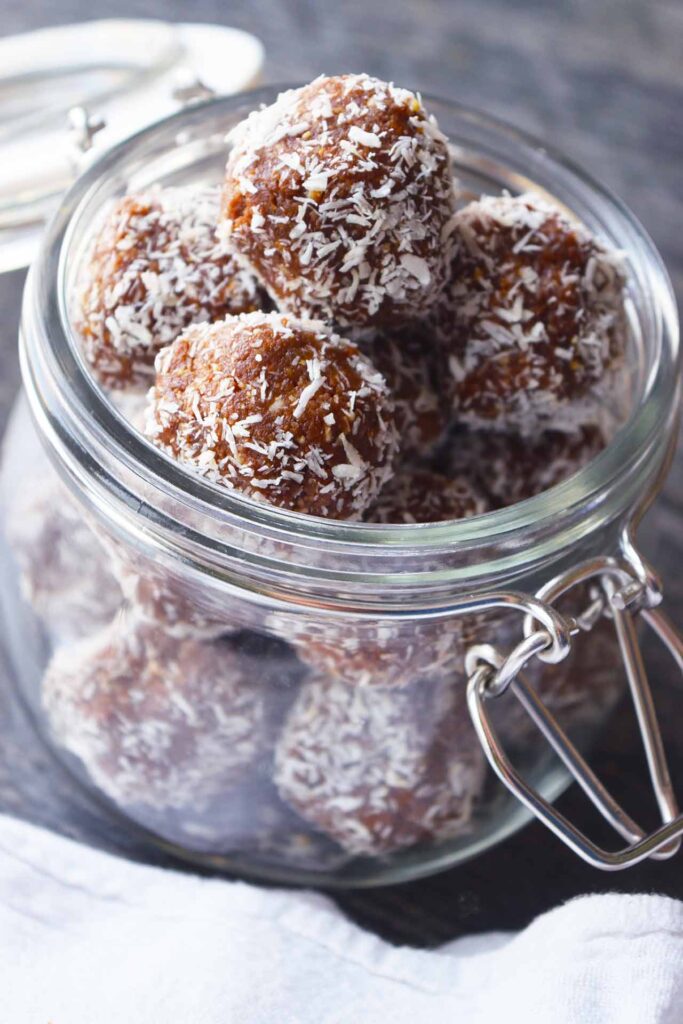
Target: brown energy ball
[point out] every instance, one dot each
(282, 410)
(509, 468)
(169, 600)
(157, 722)
(251, 824)
(532, 319)
(378, 770)
(181, 602)
(339, 197)
(410, 361)
(156, 267)
(417, 495)
(385, 653)
(66, 573)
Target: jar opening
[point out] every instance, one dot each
(129, 480)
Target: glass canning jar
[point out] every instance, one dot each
(180, 621)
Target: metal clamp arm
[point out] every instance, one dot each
(627, 590)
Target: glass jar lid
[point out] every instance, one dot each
(68, 94)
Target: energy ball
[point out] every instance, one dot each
(169, 600)
(66, 574)
(339, 198)
(409, 360)
(156, 266)
(283, 410)
(378, 770)
(416, 495)
(509, 468)
(375, 653)
(156, 721)
(532, 319)
(249, 824)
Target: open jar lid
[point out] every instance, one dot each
(67, 94)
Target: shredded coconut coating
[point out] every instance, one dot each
(411, 362)
(340, 197)
(532, 319)
(66, 574)
(416, 495)
(378, 770)
(176, 601)
(156, 266)
(378, 653)
(509, 468)
(164, 598)
(157, 722)
(282, 410)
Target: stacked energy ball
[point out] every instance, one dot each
(335, 332)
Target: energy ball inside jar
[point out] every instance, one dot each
(509, 468)
(339, 197)
(384, 653)
(158, 722)
(394, 653)
(282, 410)
(417, 495)
(178, 606)
(378, 770)
(66, 574)
(532, 319)
(410, 362)
(156, 266)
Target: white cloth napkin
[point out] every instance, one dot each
(86, 938)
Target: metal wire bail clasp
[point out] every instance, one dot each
(626, 588)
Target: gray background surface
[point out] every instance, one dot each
(600, 79)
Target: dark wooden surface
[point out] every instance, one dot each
(600, 79)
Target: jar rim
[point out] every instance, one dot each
(51, 362)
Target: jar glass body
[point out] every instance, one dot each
(270, 693)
